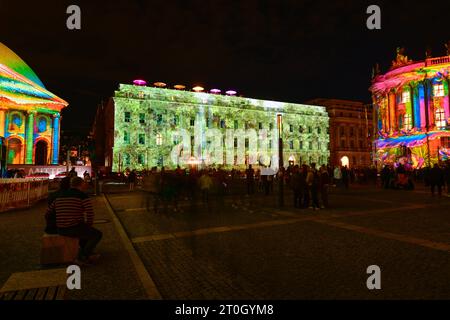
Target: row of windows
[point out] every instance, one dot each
(221, 123)
(352, 144)
(438, 91)
(405, 120)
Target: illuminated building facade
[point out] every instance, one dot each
(29, 113)
(411, 103)
(351, 131)
(144, 126)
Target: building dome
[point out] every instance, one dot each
(14, 62)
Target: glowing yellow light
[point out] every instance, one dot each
(198, 89)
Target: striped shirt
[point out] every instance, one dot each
(72, 207)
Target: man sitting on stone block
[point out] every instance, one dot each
(74, 218)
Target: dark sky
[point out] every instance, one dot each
(289, 50)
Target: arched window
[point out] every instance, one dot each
(42, 124)
(15, 121)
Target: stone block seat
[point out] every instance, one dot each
(57, 249)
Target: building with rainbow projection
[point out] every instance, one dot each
(29, 113)
(411, 104)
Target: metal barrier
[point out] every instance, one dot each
(21, 193)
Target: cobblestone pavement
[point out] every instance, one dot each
(247, 248)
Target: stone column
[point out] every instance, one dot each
(392, 113)
(2, 122)
(29, 141)
(55, 139)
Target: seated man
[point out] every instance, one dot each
(74, 218)
(50, 215)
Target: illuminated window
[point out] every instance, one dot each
(159, 139)
(440, 118)
(406, 97)
(126, 137)
(438, 90)
(127, 116)
(141, 138)
(42, 124)
(407, 122)
(126, 159)
(141, 95)
(141, 118)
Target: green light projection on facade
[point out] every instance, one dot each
(165, 127)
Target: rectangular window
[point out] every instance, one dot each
(142, 118)
(192, 122)
(235, 142)
(270, 144)
(406, 97)
(208, 122)
(352, 144)
(271, 126)
(176, 120)
(291, 144)
(319, 145)
(236, 124)
(246, 142)
(141, 159)
(309, 130)
(126, 137)
(438, 90)
(407, 122)
(301, 144)
(141, 138)
(440, 118)
(319, 130)
(222, 124)
(260, 126)
(127, 116)
(310, 145)
(360, 144)
(159, 119)
(291, 128)
(342, 144)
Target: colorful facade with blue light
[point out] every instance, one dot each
(411, 102)
(29, 113)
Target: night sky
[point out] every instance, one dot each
(282, 50)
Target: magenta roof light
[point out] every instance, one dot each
(139, 82)
(231, 92)
(215, 91)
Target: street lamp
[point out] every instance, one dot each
(280, 160)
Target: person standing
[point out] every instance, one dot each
(206, 183)
(337, 175)
(324, 183)
(345, 177)
(132, 180)
(436, 179)
(74, 218)
(250, 175)
(295, 184)
(313, 181)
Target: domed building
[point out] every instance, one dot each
(411, 102)
(29, 113)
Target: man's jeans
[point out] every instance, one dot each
(89, 238)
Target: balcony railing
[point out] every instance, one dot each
(438, 60)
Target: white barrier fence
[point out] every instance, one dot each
(21, 193)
